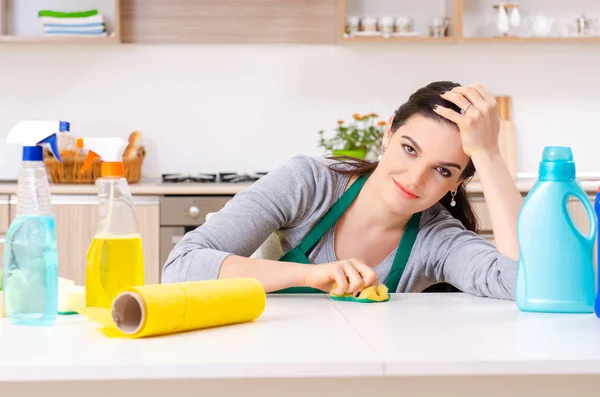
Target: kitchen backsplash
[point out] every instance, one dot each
(250, 108)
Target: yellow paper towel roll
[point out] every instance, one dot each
(162, 309)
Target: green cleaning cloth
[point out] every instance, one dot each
(59, 14)
(368, 295)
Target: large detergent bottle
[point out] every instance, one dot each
(114, 259)
(30, 267)
(556, 269)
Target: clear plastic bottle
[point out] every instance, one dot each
(115, 258)
(30, 263)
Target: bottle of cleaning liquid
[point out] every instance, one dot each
(30, 267)
(114, 259)
(556, 269)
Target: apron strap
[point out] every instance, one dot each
(331, 217)
(403, 253)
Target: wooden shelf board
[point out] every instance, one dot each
(472, 40)
(512, 39)
(410, 39)
(65, 40)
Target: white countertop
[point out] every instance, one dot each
(460, 334)
(295, 337)
(300, 336)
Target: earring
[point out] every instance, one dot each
(381, 154)
(453, 202)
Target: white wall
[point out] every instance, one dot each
(244, 108)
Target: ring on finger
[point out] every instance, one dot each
(463, 111)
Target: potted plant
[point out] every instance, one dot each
(355, 139)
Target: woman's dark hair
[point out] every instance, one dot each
(422, 102)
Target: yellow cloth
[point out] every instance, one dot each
(172, 308)
(373, 293)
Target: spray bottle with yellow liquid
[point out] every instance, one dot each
(115, 259)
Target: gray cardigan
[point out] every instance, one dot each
(287, 203)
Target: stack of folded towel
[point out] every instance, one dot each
(83, 23)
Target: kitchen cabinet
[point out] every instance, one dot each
(230, 21)
(281, 21)
(76, 218)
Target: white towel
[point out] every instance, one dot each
(69, 29)
(71, 34)
(72, 21)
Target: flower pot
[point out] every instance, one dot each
(358, 153)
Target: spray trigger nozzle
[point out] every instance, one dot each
(33, 133)
(51, 140)
(108, 150)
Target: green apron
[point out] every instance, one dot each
(299, 254)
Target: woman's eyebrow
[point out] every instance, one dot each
(451, 165)
(418, 148)
(415, 144)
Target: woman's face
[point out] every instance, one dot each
(422, 162)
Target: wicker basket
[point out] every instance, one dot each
(69, 170)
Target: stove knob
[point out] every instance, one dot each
(194, 211)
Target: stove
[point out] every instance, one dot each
(221, 177)
(189, 178)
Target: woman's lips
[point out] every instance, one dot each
(405, 192)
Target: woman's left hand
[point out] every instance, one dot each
(479, 124)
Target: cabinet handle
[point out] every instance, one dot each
(194, 211)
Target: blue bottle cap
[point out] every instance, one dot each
(557, 164)
(33, 153)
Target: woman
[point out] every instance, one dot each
(404, 221)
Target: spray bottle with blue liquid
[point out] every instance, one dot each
(556, 265)
(30, 267)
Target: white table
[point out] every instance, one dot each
(415, 344)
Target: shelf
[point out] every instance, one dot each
(531, 39)
(19, 22)
(63, 40)
(447, 40)
(461, 14)
(400, 40)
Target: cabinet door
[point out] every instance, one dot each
(481, 210)
(76, 218)
(148, 214)
(230, 21)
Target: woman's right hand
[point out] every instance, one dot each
(351, 275)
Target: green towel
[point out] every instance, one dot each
(353, 299)
(58, 14)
